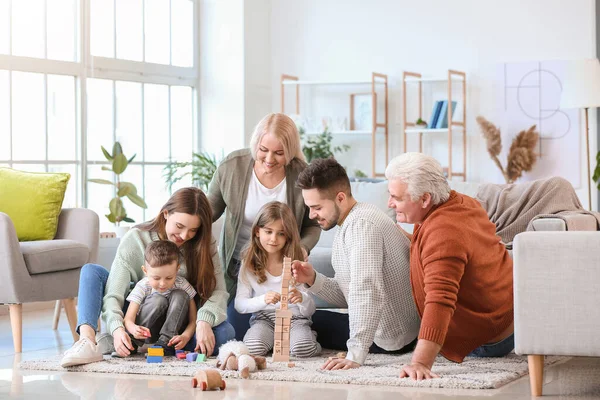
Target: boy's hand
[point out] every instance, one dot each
(295, 296)
(272, 297)
(139, 332)
(179, 341)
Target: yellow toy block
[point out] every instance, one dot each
(156, 351)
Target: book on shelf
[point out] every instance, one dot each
(442, 121)
(435, 113)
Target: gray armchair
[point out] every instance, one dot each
(46, 270)
(556, 277)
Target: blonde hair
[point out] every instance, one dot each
(284, 129)
(422, 174)
(254, 256)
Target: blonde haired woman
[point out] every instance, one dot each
(246, 180)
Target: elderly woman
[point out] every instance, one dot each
(246, 180)
(461, 274)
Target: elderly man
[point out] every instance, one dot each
(461, 274)
(370, 259)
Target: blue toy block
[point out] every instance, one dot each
(191, 357)
(154, 359)
(179, 351)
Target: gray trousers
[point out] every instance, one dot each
(260, 336)
(165, 317)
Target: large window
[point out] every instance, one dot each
(76, 75)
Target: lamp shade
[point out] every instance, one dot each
(581, 85)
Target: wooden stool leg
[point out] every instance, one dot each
(57, 308)
(16, 324)
(536, 373)
(71, 312)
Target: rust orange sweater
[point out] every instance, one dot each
(461, 276)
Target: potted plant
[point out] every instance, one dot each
(119, 163)
(319, 146)
(201, 169)
(421, 124)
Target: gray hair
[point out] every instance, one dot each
(422, 173)
(284, 129)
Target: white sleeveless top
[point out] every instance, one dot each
(258, 196)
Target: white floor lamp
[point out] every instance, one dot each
(581, 89)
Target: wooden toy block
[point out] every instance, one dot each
(285, 290)
(278, 328)
(285, 342)
(278, 335)
(283, 314)
(285, 336)
(286, 328)
(276, 351)
(107, 235)
(284, 306)
(191, 357)
(280, 358)
(154, 359)
(287, 321)
(156, 351)
(285, 350)
(284, 298)
(278, 343)
(201, 357)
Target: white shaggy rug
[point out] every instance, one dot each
(379, 369)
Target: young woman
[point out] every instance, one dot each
(186, 220)
(274, 235)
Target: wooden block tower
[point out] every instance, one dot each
(283, 316)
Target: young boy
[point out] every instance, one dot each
(160, 303)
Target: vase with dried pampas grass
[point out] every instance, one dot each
(521, 156)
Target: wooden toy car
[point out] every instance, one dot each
(208, 379)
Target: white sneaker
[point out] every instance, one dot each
(84, 351)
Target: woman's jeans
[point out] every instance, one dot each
(240, 322)
(92, 282)
(498, 349)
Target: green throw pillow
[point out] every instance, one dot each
(33, 201)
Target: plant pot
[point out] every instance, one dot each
(121, 230)
(424, 126)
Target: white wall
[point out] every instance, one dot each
(348, 39)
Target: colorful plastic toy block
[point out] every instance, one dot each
(191, 357)
(154, 359)
(156, 351)
(180, 356)
(201, 357)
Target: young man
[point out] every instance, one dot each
(370, 259)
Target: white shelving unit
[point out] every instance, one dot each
(377, 82)
(453, 78)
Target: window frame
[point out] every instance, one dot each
(87, 66)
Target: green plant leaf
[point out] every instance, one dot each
(104, 168)
(111, 218)
(137, 200)
(127, 219)
(131, 159)
(116, 207)
(117, 149)
(125, 188)
(106, 154)
(119, 164)
(102, 181)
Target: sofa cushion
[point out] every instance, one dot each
(44, 256)
(33, 201)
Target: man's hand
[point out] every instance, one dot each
(179, 341)
(122, 342)
(205, 338)
(303, 272)
(295, 296)
(339, 363)
(272, 297)
(417, 372)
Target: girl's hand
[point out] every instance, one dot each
(272, 297)
(140, 332)
(122, 342)
(179, 341)
(205, 338)
(295, 296)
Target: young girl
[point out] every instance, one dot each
(274, 235)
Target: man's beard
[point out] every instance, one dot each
(332, 223)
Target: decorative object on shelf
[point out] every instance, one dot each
(368, 114)
(319, 146)
(359, 174)
(124, 189)
(201, 169)
(421, 124)
(442, 117)
(521, 156)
